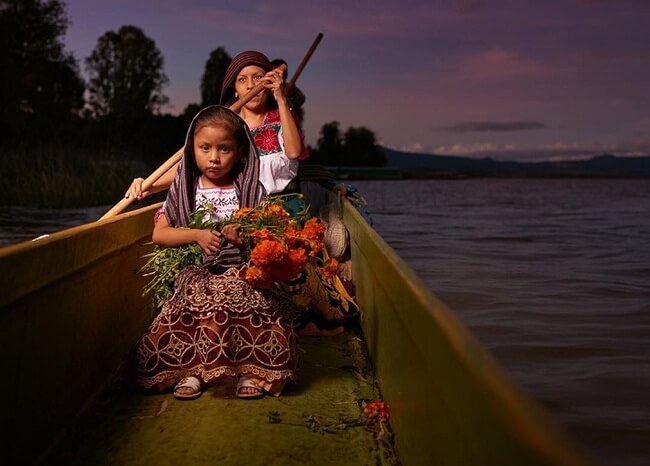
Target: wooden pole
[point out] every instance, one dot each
(305, 59)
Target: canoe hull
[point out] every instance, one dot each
(71, 307)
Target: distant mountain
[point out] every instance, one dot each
(431, 165)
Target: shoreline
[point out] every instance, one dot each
(382, 173)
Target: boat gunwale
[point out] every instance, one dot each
(27, 277)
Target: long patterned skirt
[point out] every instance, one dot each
(216, 326)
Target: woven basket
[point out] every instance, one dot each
(336, 235)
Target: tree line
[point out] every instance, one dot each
(117, 110)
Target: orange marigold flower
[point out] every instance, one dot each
(292, 266)
(315, 248)
(277, 211)
(330, 268)
(376, 410)
(257, 278)
(314, 229)
(298, 257)
(268, 252)
(243, 212)
(263, 234)
(293, 237)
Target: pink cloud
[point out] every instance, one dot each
(499, 64)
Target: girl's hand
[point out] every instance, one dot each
(209, 240)
(275, 81)
(135, 190)
(232, 232)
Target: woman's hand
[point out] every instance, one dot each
(232, 232)
(209, 240)
(135, 190)
(274, 80)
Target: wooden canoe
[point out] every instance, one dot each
(71, 308)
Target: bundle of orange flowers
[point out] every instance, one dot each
(277, 246)
(280, 246)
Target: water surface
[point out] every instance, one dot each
(553, 276)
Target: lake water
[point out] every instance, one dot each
(552, 276)
(26, 223)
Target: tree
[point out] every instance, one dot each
(213, 76)
(357, 148)
(330, 146)
(126, 77)
(360, 148)
(40, 86)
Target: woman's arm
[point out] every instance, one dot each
(290, 130)
(167, 236)
(160, 184)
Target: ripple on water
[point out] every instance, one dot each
(553, 277)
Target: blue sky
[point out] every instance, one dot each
(512, 79)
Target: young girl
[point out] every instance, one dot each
(216, 325)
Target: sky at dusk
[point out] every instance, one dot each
(509, 79)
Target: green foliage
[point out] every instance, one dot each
(190, 112)
(329, 150)
(126, 76)
(360, 148)
(48, 175)
(165, 263)
(213, 76)
(40, 87)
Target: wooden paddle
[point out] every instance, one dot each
(305, 59)
(174, 159)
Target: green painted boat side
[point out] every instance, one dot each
(451, 403)
(71, 307)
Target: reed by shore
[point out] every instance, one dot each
(49, 175)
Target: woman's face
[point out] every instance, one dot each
(216, 152)
(246, 80)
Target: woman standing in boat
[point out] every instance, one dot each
(273, 124)
(216, 325)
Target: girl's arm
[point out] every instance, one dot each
(290, 131)
(162, 183)
(167, 236)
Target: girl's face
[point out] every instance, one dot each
(216, 152)
(246, 80)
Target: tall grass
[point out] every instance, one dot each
(59, 176)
